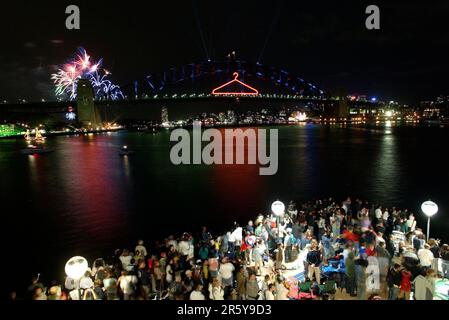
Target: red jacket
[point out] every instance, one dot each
(406, 285)
(348, 235)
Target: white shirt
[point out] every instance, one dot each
(109, 282)
(238, 236)
(215, 293)
(422, 285)
(127, 284)
(126, 261)
(269, 295)
(197, 295)
(191, 250)
(378, 213)
(173, 243)
(142, 250)
(345, 253)
(385, 215)
(69, 283)
(184, 248)
(281, 292)
(74, 295)
(322, 223)
(86, 283)
(262, 248)
(411, 223)
(379, 240)
(425, 257)
(226, 270)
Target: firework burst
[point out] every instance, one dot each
(81, 66)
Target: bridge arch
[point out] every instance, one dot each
(200, 78)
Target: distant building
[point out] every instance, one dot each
(435, 108)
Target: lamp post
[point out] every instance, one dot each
(278, 209)
(429, 208)
(75, 269)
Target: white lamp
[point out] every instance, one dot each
(76, 267)
(430, 209)
(278, 208)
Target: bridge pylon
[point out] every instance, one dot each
(87, 114)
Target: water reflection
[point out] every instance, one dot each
(387, 169)
(126, 167)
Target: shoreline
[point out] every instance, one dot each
(348, 124)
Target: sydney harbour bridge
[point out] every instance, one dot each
(205, 86)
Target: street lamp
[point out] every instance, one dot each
(278, 209)
(75, 269)
(429, 208)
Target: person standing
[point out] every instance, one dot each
(360, 276)
(425, 257)
(406, 285)
(444, 253)
(252, 288)
(144, 280)
(141, 248)
(269, 293)
(197, 293)
(326, 242)
(394, 279)
(279, 256)
(128, 282)
(314, 261)
(216, 292)
(281, 289)
(241, 283)
(225, 272)
(350, 279)
(424, 285)
(289, 242)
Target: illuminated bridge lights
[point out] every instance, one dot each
(252, 92)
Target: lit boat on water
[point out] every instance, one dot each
(125, 151)
(32, 149)
(38, 138)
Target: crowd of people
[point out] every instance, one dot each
(365, 251)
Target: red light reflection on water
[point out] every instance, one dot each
(239, 185)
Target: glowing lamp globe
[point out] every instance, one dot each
(76, 267)
(278, 208)
(429, 208)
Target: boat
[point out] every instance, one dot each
(38, 138)
(31, 149)
(28, 135)
(125, 151)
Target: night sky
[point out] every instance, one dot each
(325, 42)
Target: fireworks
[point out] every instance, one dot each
(105, 89)
(81, 66)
